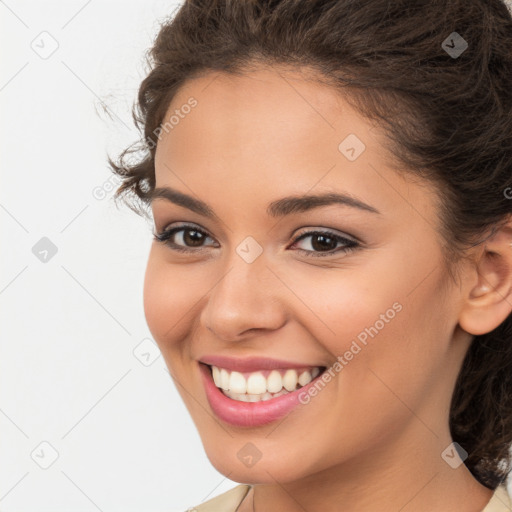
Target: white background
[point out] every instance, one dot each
(68, 373)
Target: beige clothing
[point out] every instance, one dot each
(230, 500)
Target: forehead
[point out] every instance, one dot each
(274, 130)
(280, 109)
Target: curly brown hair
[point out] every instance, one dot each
(446, 117)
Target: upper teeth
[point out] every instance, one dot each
(258, 382)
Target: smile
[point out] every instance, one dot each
(251, 399)
(262, 385)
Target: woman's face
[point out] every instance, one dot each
(253, 286)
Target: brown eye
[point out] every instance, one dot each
(192, 237)
(188, 238)
(325, 242)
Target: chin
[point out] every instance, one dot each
(234, 462)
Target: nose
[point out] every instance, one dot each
(246, 298)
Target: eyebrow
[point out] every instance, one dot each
(278, 208)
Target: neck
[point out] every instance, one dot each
(408, 475)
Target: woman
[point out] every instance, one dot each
(330, 282)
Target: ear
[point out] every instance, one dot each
(489, 298)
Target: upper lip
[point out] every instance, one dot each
(251, 364)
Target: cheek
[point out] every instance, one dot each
(375, 319)
(170, 293)
(344, 304)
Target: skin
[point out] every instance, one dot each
(372, 439)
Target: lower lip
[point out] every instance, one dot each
(249, 414)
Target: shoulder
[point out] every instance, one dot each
(500, 501)
(225, 502)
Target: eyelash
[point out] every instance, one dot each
(350, 245)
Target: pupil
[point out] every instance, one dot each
(196, 240)
(324, 238)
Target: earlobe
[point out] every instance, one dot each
(489, 301)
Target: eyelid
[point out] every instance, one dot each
(183, 225)
(329, 231)
(303, 231)
(349, 243)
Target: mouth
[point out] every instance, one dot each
(251, 399)
(262, 385)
